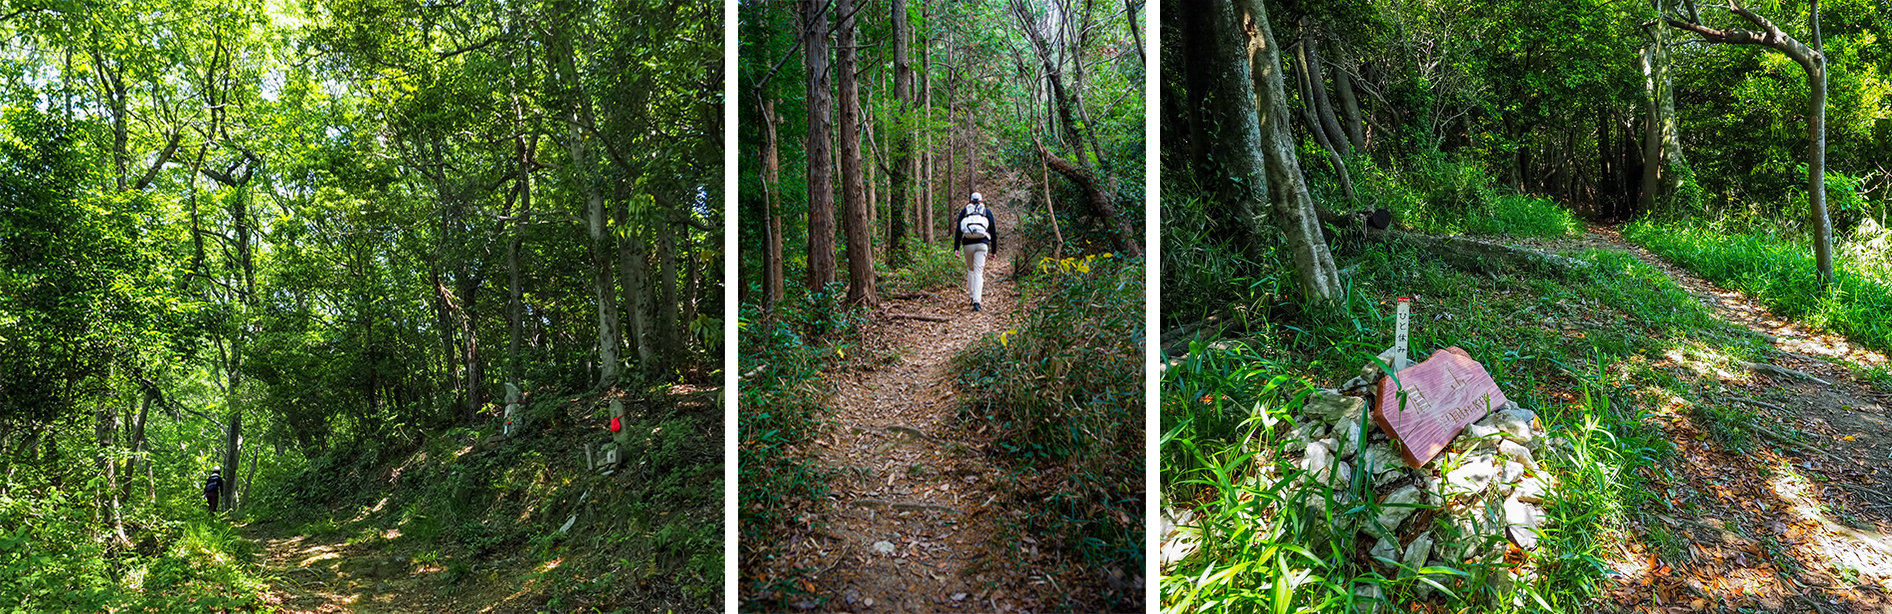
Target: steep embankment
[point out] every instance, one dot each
(466, 522)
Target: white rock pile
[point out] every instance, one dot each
(1460, 509)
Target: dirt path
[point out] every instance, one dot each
(911, 520)
(1810, 531)
(314, 575)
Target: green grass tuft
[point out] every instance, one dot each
(1781, 276)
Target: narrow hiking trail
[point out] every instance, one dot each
(322, 576)
(313, 574)
(915, 511)
(1807, 531)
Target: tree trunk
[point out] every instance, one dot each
(773, 286)
(1350, 109)
(1814, 63)
(1310, 115)
(903, 146)
(1100, 201)
(929, 192)
(1294, 208)
(634, 275)
(855, 216)
(820, 172)
(1316, 75)
(669, 338)
(1652, 123)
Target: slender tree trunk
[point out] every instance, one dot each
(1293, 207)
(773, 286)
(820, 171)
(929, 191)
(903, 146)
(634, 276)
(668, 335)
(1350, 109)
(1814, 63)
(1316, 75)
(855, 218)
(1310, 115)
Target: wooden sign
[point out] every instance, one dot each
(1442, 395)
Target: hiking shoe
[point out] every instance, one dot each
(975, 307)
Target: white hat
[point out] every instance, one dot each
(975, 197)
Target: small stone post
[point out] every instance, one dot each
(620, 436)
(515, 419)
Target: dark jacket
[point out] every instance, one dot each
(213, 486)
(991, 232)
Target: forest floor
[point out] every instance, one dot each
(331, 574)
(1803, 527)
(640, 536)
(911, 522)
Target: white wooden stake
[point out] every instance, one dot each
(1403, 319)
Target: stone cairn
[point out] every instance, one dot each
(1462, 508)
(1487, 487)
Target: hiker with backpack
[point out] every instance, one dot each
(975, 231)
(212, 488)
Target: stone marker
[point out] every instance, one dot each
(1442, 395)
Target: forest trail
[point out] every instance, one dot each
(317, 575)
(911, 521)
(1816, 539)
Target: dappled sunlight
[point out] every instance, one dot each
(1865, 553)
(366, 511)
(1706, 362)
(317, 555)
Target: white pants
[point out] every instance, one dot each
(975, 268)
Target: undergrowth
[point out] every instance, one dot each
(1064, 391)
(54, 558)
(927, 266)
(1440, 194)
(464, 499)
(1781, 275)
(784, 357)
(1598, 357)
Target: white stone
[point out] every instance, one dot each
(1517, 452)
(1397, 506)
(1532, 490)
(1417, 551)
(1368, 595)
(1521, 523)
(1350, 437)
(884, 547)
(1386, 549)
(1515, 424)
(1471, 476)
(1331, 406)
(1510, 473)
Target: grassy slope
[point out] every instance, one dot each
(469, 512)
(1781, 276)
(1597, 356)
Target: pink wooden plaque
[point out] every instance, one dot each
(1443, 394)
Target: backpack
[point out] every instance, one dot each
(974, 222)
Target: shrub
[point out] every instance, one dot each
(1064, 391)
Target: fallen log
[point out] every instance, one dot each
(1464, 253)
(915, 316)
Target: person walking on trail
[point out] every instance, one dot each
(975, 235)
(212, 488)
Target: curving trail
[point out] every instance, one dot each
(1817, 538)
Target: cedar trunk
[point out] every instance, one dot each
(820, 170)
